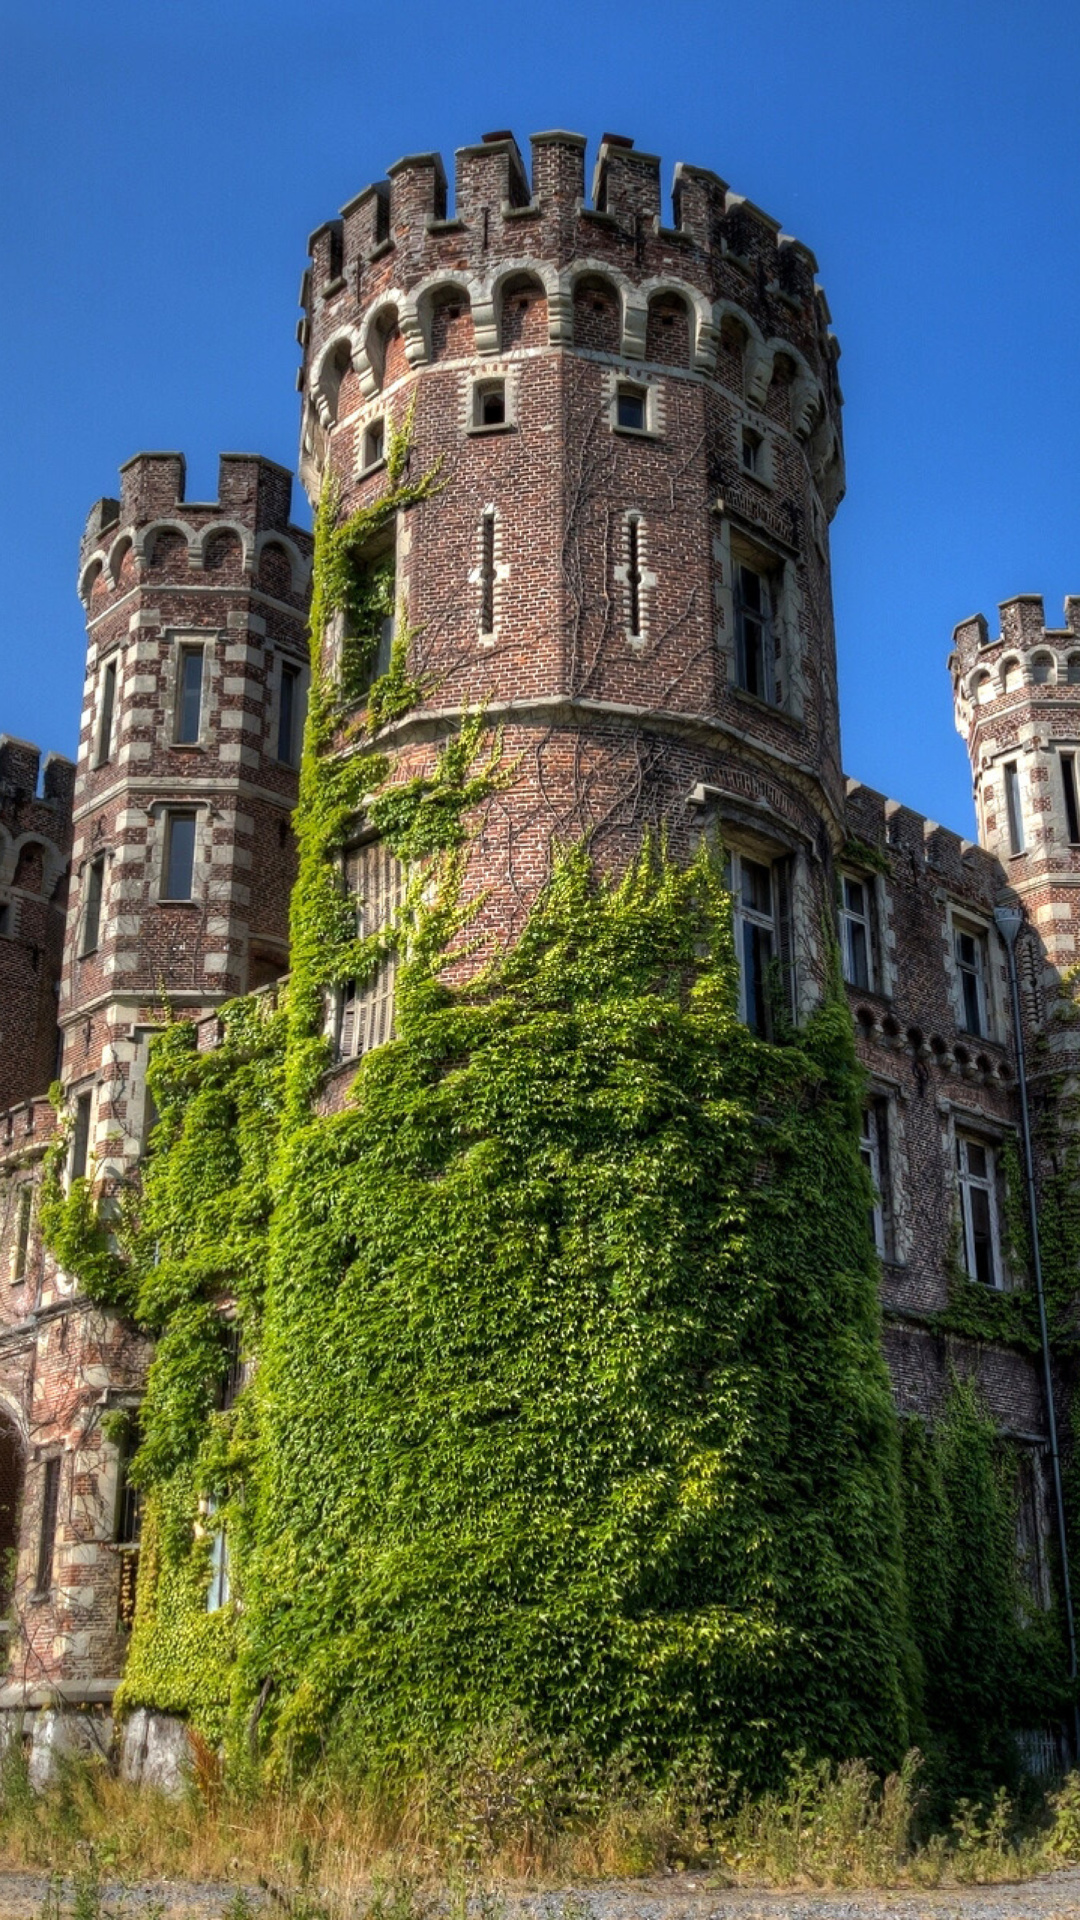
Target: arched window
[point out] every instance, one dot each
(224, 554)
(1042, 668)
(982, 689)
(1012, 675)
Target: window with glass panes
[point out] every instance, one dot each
(189, 696)
(220, 1586)
(95, 888)
(755, 887)
(288, 714)
(873, 1151)
(978, 1210)
(107, 714)
(972, 967)
(179, 874)
(755, 649)
(373, 881)
(857, 932)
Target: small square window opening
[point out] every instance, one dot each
(489, 404)
(630, 408)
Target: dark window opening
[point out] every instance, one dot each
(487, 574)
(95, 887)
(128, 1526)
(975, 1165)
(633, 574)
(189, 703)
(108, 705)
(1072, 812)
(368, 641)
(232, 1379)
(50, 1507)
(491, 404)
(971, 965)
(80, 1137)
(22, 1229)
(751, 451)
(630, 409)
(374, 443)
(288, 715)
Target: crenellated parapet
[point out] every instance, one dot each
(153, 531)
(381, 275)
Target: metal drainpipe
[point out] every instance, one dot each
(1009, 920)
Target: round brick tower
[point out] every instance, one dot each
(191, 727)
(628, 561)
(1017, 704)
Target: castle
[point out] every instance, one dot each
(637, 431)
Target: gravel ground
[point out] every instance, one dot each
(682, 1897)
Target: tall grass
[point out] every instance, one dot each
(506, 1815)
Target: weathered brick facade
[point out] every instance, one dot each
(627, 563)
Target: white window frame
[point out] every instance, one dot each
(850, 919)
(969, 1183)
(963, 928)
(107, 720)
(746, 917)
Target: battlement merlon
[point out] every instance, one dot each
(1023, 625)
(251, 489)
(395, 234)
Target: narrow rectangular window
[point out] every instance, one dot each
(80, 1136)
(874, 1153)
(189, 696)
(755, 937)
(978, 1215)
(50, 1507)
(108, 708)
(970, 952)
(855, 923)
(233, 1377)
(288, 714)
(1072, 813)
(220, 1583)
(179, 856)
(22, 1229)
(755, 662)
(95, 887)
(1013, 808)
(487, 573)
(374, 881)
(751, 451)
(128, 1499)
(633, 574)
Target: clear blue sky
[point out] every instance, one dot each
(162, 165)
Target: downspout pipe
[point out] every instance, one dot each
(1010, 920)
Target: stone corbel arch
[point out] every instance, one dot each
(301, 566)
(807, 397)
(706, 329)
(325, 382)
(52, 866)
(97, 563)
(243, 534)
(403, 308)
(758, 360)
(487, 311)
(123, 544)
(635, 310)
(145, 536)
(423, 302)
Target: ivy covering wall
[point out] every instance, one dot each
(570, 1403)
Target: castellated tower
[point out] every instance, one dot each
(182, 864)
(35, 846)
(627, 563)
(1017, 704)
(190, 741)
